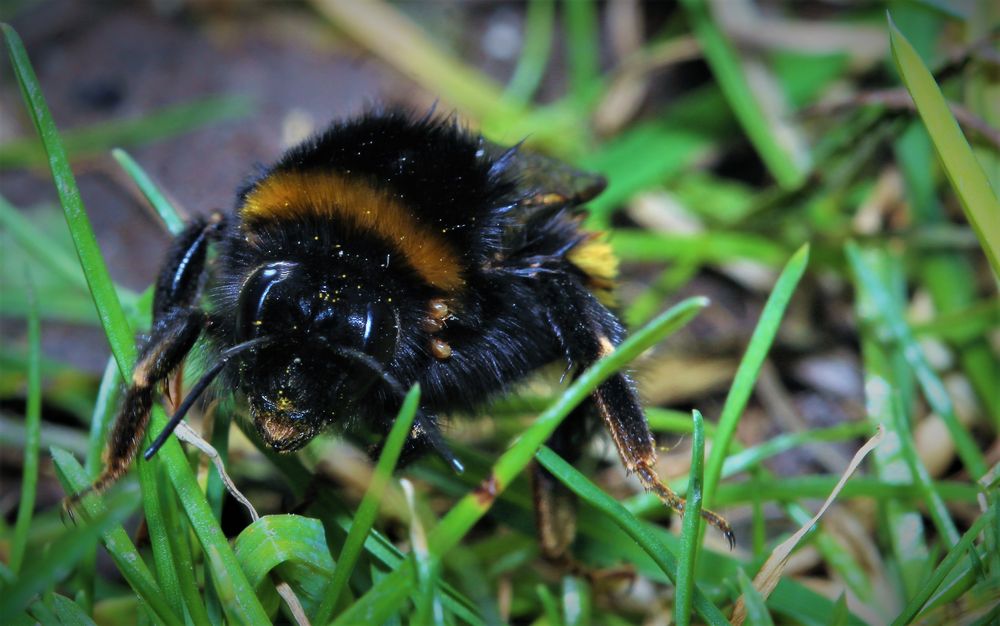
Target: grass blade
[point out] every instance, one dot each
(116, 540)
(956, 554)
(62, 556)
(933, 388)
(368, 509)
(977, 197)
(159, 202)
(96, 273)
(746, 375)
(690, 532)
(32, 427)
(97, 139)
(659, 552)
(41, 246)
(725, 63)
(231, 582)
(539, 20)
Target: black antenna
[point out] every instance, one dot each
(199, 389)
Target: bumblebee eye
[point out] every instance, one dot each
(270, 300)
(381, 331)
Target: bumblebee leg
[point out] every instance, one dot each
(555, 504)
(590, 332)
(179, 280)
(169, 344)
(176, 326)
(425, 436)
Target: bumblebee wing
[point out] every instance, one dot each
(545, 184)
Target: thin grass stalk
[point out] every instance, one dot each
(32, 427)
(936, 507)
(40, 246)
(582, 47)
(244, 605)
(951, 559)
(171, 219)
(690, 533)
(539, 21)
(749, 367)
(933, 389)
(368, 509)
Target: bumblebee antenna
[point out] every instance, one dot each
(199, 389)
(428, 427)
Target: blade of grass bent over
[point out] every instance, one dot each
(243, 604)
(977, 197)
(32, 427)
(760, 343)
(368, 509)
(770, 573)
(385, 597)
(690, 529)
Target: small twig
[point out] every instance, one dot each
(286, 593)
(898, 99)
(187, 434)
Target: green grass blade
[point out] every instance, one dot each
(956, 554)
(231, 582)
(155, 197)
(384, 598)
(933, 389)
(936, 507)
(659, 552)
(539, 20)
(97, 139)
(127, 559)
(725, 63)
(977, 197)
(41, 246)
(44, 572)
(582, 46)
(368, 509)
(746, 374)
(98, 280)
(32, 424)
(757, 613)
(690, 532)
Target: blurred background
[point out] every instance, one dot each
(732, 132)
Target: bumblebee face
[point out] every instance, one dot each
(330, 341)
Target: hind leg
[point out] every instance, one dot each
(589, 331)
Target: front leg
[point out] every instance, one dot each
(172, 339)
(177, 323)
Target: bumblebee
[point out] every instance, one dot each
(387, 251)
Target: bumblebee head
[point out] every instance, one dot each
(331, 341)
